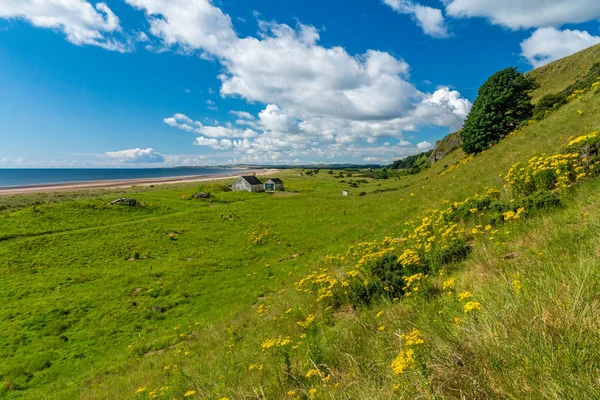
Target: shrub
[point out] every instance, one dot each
(543, 172)
(547, 103)
(390, 273)
(361, 295)
(382, 175)
(502, 106)
(539, 200)
(455, 252)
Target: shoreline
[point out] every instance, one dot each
(127, 183)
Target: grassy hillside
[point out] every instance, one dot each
(229, 298)
(559, 74)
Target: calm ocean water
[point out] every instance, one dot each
(25, 177)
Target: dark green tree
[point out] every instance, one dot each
(503, 104)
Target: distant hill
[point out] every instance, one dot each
(413, 164)
(551, 78)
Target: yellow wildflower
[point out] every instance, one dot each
(189, 393)
(464, 295)
(404, 362)
(516, 284)
(409, 258)
(312, 372)
(277, 342)
(413, 337)
(472, 306)
(309, 320)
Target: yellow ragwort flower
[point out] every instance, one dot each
(312, 372)
(449, 284)
(472, 306)
(464, 295)
(413, 337)
(404, 362)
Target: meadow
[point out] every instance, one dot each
(188, 298)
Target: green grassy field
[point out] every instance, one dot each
(111, 302)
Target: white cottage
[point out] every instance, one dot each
(274, 184)
(248, 184)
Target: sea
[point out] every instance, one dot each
(32, 176)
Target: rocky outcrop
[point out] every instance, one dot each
(125, 201)
(201, 195)
(445, 146)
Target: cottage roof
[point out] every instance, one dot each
(253, 180)
(276, 180)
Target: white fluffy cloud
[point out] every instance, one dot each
(319, 101)
(274, 119)
(136, 156)
(316, 97)
(425, 145)
(82, 23)
(444, 107)
(549, 44)
(524, 14)
(183, 122)
(430, 19)
(287, 66)
(226, 132)
(191, 24)
(242, 114)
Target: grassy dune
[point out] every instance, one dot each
(108, 302)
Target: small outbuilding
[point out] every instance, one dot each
(248, 184)
(274, 184)
(345, 193)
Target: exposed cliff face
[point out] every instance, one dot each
(445, 146)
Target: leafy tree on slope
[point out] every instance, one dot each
(502, 105)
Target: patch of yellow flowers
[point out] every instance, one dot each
(277, 342)
(406, 358)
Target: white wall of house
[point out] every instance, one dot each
(242, 185)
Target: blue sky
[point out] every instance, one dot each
(199, 82)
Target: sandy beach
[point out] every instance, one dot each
(125, 183)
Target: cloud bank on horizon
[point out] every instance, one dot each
(318, 102)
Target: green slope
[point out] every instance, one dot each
(80, 320)
(559, 74)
